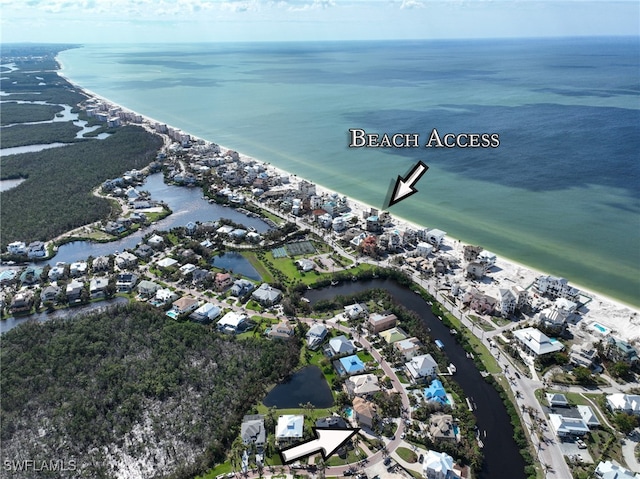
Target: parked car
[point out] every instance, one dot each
(421, 458)
(581, 444)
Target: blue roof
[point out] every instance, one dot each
(352, 364)
(435, 392)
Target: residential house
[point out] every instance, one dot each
(17, 248)
(126, 260)
(341, 345)
(423, 249)
(37, 249)
(557, 400)
(184, 305)
(435, 237)
(409, 347)
(50, 293)
(98, 287)
(156, 241)
(101, 263)
(421, 367)
(609, 470)
(147, 289)
(479, 302)
(350, 365)
(316, 334)
(252, 430)
(31, 275)
(8, 275)
(555, 287)
(362, 385)
(394, 334)
(619, 350)
(536, 343)
(56, 272)
(588, 416)
(21, 302)
(510, 300)
(442, 428)
(74, 291)
(166, 262)
(380, 322)
(266, 295)
(365, 412)
(200, 275)
(331, 422)
(232, 322)
(144, 251)
(564, 426)
(438, 465)
(355, 311)
(436, 393)
(79, 268)
(282, 330)
(187, 268)
(553, 318)
(290, 428)
(114, 228)
(476, 270)
(125, 282)
(241, 287)
(619, 402)
(222, 281)
(205, 313)
(582, 356)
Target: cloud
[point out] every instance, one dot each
(408, 4)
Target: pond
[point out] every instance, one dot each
(306, 385)
(236, 263)
(501, 455)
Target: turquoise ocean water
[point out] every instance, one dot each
(560, 194)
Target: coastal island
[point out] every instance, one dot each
(401, 321)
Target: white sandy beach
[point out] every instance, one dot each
(623, 320)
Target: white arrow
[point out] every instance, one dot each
(327, 442)
(404, 186)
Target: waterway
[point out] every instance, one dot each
(236, 263)
(187, 205)
(305, 386)
(11, 322)
(501, 454)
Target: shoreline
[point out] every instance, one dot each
(508, 265)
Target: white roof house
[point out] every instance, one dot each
(438, 465)
(231, 321)
(362, 384)
(536, 342)
(567, 426)
(266, 295)
(341, 345)
(166, 262)
(421, 366)
(629, 403)
(289, 427)
(609, 470)
(206, 312)
(588, 416)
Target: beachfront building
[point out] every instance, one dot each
(435, 237)
(619, 350)
(438, 465)
(536, 343)
(554, 287)
(289, 428)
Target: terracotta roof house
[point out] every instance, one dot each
(366, 413)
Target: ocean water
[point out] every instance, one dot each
(561, 193)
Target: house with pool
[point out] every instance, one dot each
(535, 343)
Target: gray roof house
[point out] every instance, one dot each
(316, 335)
(241, 287)
(252, 429)
(341, 345)
(266, 295)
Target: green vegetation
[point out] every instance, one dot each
(407, 454)
(56, 196)
(20, 135)
(25, 112)
(91, 383)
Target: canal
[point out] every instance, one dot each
(501, 454)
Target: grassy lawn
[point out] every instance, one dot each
(407, 454)
(258, 266)
(223, 468)
(500, 321)
(354, 456)
(479, 349)
(365, 356)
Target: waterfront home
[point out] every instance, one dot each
(222, 281)
(380, 322)
(183, 305)
(36, 249)
(147, 289)
(554, 287)
(331, 422)
(536, 343)
(282, 330)
(225, 230)
(238, 234)
(266, 295)
(125, 282)
(50, 293)
(232, 322)
(365, 412)
(98, 287)
(125, 260)
(409, 347)
(78, 268)
(56, 272)
(289, 429)
(609, 470)
(362, 385)
(435, 237)
(241, 287)
(392, 335)
(8, 275)
(421, 367)
(252, 430)
(583, 356)
(619, 350)
(155, 241)
(17, 247)
(305, 265)
(350, 365)
(101, 263)
(436, 393)
(113, 228)
(438, 465)
(316, 335)
(476, 270)
(441, 427)
(74, 291)
(205, 313)
(31, 275)
(340, 345)
(355, 311)
(557, 400)
(511, 300)
(21, 302)
(564, 426)
(144, 251)
(629, 403)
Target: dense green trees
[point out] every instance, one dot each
(20, 135)
(95, 383)
(20, 113)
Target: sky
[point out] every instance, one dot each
(155, 21)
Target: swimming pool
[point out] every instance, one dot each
(349, 412)
(600, 328)
(172, 314)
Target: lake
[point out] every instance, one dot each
(306, 385)
(236, 263)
